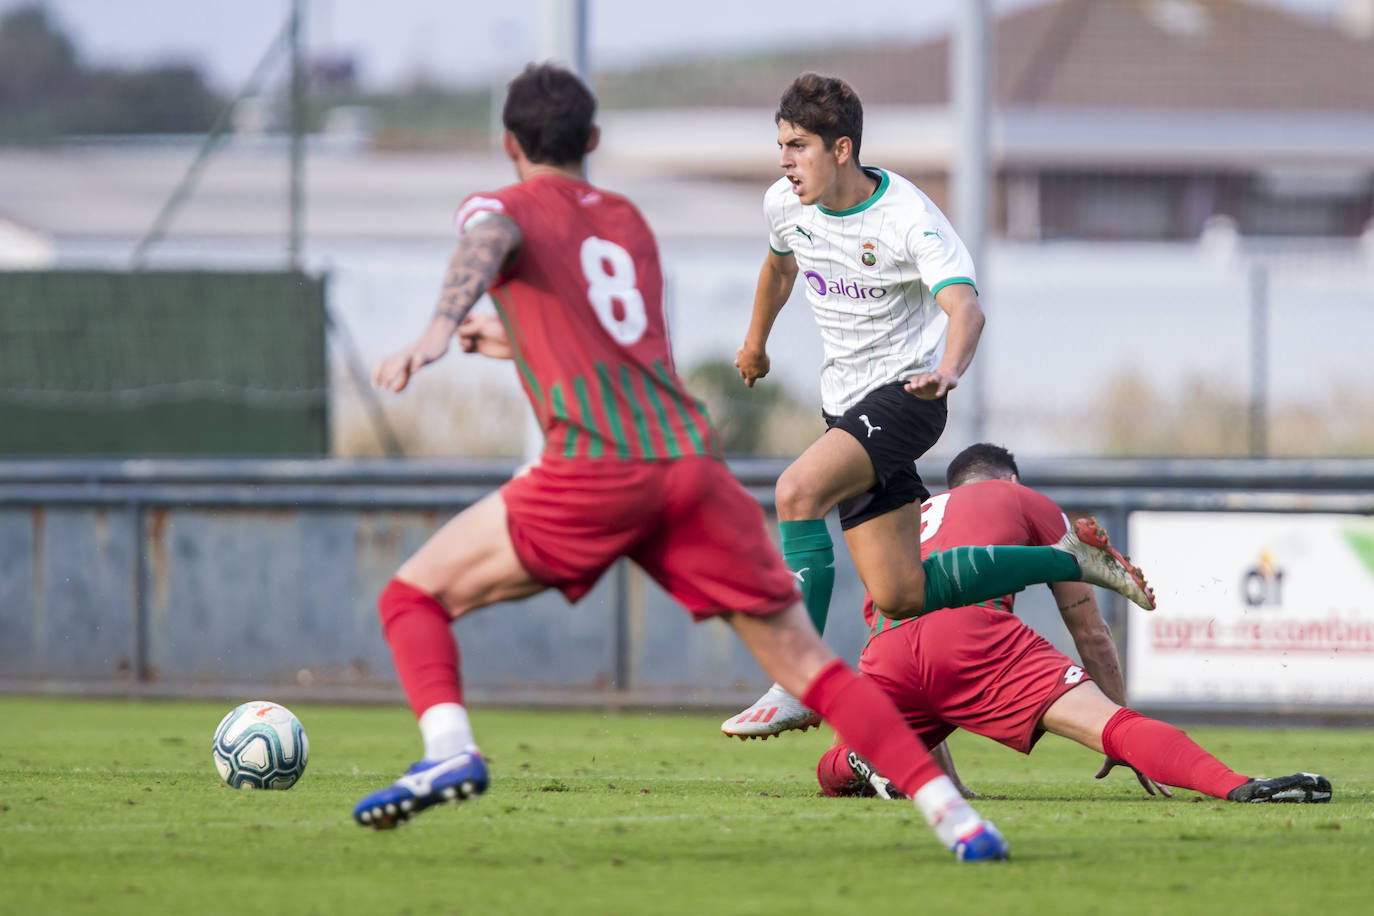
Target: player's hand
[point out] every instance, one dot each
(931, 386)
(752, 363)
(486, 335)
(946, 761)
(1148, 784)
(394, 372)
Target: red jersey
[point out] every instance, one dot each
(982, 513)
(583, 305)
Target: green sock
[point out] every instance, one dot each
(809, 553)
(962, 576)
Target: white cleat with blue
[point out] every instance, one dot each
(985, 844)
(426, 783)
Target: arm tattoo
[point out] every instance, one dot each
(1079, 602)
(481, 253)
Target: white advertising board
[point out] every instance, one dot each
(1253, 609)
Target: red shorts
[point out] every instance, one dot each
(688, 523)
(972, 668)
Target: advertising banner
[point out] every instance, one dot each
(1253, 609)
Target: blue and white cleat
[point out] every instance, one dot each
(426, 783)
(986, 844)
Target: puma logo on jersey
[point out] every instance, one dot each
(805, 233)
(1073, 674)
(871, 428)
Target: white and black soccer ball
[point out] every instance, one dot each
(260, 745)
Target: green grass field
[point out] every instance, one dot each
(115, 807)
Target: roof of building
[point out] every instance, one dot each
(1162, 54)
(1098, 85)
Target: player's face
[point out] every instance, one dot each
(806, 162)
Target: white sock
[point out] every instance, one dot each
(946, 811)
(445, 730)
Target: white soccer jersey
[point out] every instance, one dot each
(871, 274)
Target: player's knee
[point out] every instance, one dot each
(797, 497)
(400, 597)
(898, 601)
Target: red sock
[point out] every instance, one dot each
(868, 722)
(418, 629)
(1166, 754)
(834, 773)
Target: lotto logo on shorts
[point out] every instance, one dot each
(850, 289)
(1073, 674)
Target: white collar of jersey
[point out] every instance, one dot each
(883, 182)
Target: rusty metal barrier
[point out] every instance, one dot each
(231, 577)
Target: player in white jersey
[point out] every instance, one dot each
(872, 275)
(893, 292)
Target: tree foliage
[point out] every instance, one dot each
(46, 91)
(739, 413)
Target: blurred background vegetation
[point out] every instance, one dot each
(47, 92)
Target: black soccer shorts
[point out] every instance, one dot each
(895, 428)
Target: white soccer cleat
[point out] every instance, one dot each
(1099, 563)
(772, 714)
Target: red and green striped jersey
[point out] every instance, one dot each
(583, 304)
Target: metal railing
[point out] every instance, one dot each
(210, 576)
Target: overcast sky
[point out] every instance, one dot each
(465, 41)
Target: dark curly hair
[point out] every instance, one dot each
(549, 110)
(981, 461)
(824, 106)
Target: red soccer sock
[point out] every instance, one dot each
(868, 722)
(835, 774)
(1166, 755)
(418, 630)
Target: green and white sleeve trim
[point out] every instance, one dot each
(951, 282)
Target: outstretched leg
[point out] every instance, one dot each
(835, 467)
(787, 646)
(956, 577)
(467, 564)
(1166, 754)
(968, 575)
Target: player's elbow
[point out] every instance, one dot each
(969, 314)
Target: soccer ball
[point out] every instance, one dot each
(260, 745)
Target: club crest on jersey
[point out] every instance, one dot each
(868, 253)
